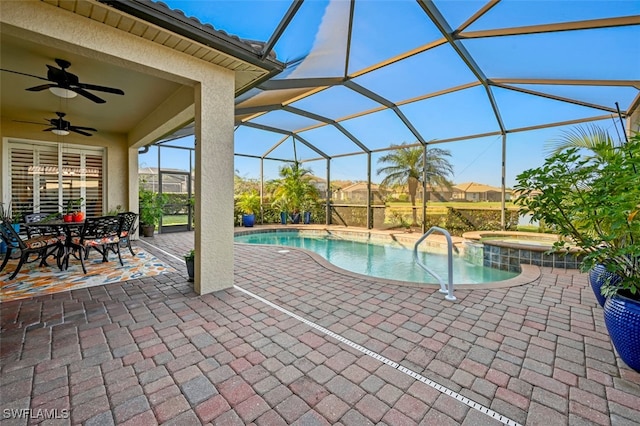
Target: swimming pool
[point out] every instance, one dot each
(383, 259)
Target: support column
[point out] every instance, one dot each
(134, 184)
(424, 188)
(214, 183)
(504, 191)
(369, 208)
(328, 201)
(262, 191)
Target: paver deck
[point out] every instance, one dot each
(295, 342)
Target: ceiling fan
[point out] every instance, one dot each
(66, 85)
(62, 127)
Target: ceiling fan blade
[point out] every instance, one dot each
(83, 128)
(75, 129)
(42, 87)
(49, 129)
(88, 95)
(100, 88)
(31, 122)
(22, 73)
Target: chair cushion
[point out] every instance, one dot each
(124, 234)
(97, 241)
(41, 241)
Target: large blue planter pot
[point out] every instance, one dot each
(598, 276)
(622, 318)
(16, 227)
(306, 217)
(248, 220)
(295, 218)
(283, 218)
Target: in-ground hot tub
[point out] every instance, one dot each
(506, 250)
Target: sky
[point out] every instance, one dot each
(316, 36)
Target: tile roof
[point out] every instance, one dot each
(191, 27)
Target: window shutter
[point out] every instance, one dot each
(44, 178)
(22, 183)
(93, 197)
(46, 199)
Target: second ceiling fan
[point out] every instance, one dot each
(62, 127)
(62, 80)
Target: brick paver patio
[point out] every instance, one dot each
(298, 343)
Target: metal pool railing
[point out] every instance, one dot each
(448, 289)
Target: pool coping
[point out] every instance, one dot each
(528, 274)
(486, 237)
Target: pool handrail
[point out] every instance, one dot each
(443, 289)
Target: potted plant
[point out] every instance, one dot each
(115, 211)
(189, 259)
(151, 210)
(296, 189)
(72, 210)
(280, 204)
(308, 204)
(249, 203)
(12, 217)
(279, 201)
(593, 202)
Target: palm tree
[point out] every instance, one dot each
(591, 137)
(406, 168)
(294, 188)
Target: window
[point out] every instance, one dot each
(44, 176)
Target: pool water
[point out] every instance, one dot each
(389, 260)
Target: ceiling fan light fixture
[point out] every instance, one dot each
(63, 93)
(60, 132)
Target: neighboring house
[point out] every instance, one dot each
(320, 184)
(357, 193)
(516, 194)
(433, 193)
(441, 193)
(469, 191)
(399, 191)
(473, 191)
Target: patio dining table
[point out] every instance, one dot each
(68, 229)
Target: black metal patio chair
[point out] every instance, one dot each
(42, 245)
(100, 233)
(128, 229)
(42, 230)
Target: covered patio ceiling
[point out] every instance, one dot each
(150, 95)
(362, 75)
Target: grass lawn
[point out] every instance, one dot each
(178, 219)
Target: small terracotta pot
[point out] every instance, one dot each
(78, 217)
(67, 218)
